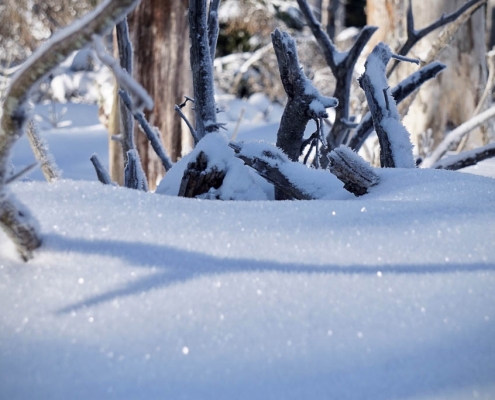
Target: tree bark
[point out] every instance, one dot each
(451, 99)
(159, 33)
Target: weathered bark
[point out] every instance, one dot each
(198, 179)
(356, 174)
(159, 34)
(202, 68)
(451, 99)
(304, 103)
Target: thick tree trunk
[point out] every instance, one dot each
(159, 33)
(451, 99)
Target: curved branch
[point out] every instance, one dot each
(13, 219)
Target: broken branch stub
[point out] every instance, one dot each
(198, 178)
(304, 101)
(356, 174)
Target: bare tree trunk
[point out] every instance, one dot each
(451, 99)
(159, 32)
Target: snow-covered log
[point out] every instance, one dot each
(13, 220)
(202, 69)
(395, 144)
(268, 166)
(356, 174)
(399, 93)
(304, 101)
(293, 180)
(467, 158)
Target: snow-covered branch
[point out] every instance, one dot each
(304, 101)
(342, 66)
(134, 176)
(395, 144)
(455, 136)
(467, 158)
(267, 164)
(13, 218)
(42, 154)
(399, 93)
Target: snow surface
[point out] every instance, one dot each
(141, 296)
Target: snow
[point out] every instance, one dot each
(139, 295)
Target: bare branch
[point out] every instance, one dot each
(178, 108)
(213, 28)
(202, 68)
(141, 99)
(414, 36)
(101, 172)
(455, 136)
(399, 93)
(467, 158)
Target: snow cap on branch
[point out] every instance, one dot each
(395, 142)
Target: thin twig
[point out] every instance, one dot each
(148, 131)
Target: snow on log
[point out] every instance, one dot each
(295, 180)
(395, 143)
(356, 174)
(467, 158)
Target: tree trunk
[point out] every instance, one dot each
(451, 99)
(159, 33)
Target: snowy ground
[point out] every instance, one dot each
(143, 296)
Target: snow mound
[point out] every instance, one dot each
(136, 295)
